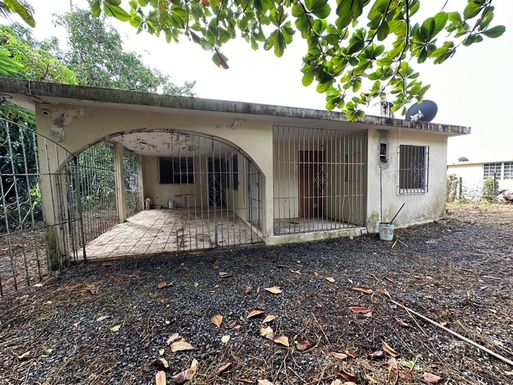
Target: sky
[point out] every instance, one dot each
(472, 89)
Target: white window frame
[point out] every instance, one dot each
(507, 173)
(490, 172)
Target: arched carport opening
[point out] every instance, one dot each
(171, 190)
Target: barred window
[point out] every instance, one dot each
(508, 170)
(413, 169)
(176, 170)
(492, 169)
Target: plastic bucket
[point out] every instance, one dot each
(386, 231)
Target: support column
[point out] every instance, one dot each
(120, 182)
(140, 180)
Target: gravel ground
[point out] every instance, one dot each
(106, 323)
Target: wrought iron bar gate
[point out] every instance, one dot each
(35, 238)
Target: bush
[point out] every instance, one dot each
(490, 189)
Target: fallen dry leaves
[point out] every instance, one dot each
(274, 290)
(217, 319)
(180, 346)
(264, 382)
(224, 274)
(115, 328)
(268, 319)
(160, 378)
(431, 378)
(304, 345)
(361, 310)
(172, 338)
(330, 279)
(161, 363)
(388, 349)
(187, 374)
(377, 354)
(339, 356)
(256, 312)
(224, 367)
(163, 284)
(347, 375)
(338, 382)
(283, 340)
(267, 332)
(363, 289)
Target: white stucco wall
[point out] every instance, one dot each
(419, 208)
(472, 179)
(88, 123)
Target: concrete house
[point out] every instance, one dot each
(473, 174)
(217, 173)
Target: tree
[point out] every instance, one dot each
(96, 56)
(358, 50)
(32, 59)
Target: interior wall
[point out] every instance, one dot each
(237, 199)
(160, 193)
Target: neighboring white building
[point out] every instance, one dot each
(473, 174)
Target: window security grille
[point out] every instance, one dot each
(508, 170)
(176, 170)
(492, 169)
(413, 169)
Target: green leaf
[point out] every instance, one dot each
(382, 31)
(16, 7)
(494, 32)
(486, 18)
(440, 22)
(308, 78)
(427, 29)
(322, 12)
(95, 8)
(116, 11)
(472, 10)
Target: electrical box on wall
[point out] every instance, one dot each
(383, 152)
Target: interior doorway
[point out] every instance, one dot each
(311, 184)
(217, 182)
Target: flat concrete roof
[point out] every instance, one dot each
(457, 164)
(24, 92)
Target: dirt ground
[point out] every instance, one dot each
(107, 323)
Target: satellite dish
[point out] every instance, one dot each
(423, 112)
(463, 159)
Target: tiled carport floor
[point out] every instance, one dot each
(303, 225)
(157, 231)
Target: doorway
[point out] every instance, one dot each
(217, 182)
(311, 184)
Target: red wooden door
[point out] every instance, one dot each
(311, 184)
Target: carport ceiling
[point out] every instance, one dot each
(165, 143)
